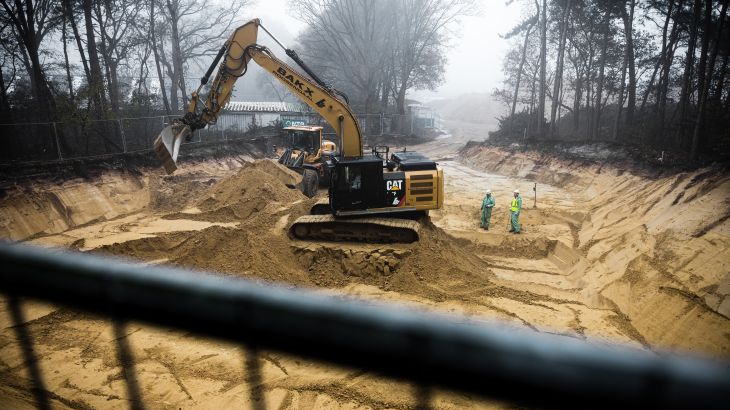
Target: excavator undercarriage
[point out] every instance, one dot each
(375, 230)
(321, 225)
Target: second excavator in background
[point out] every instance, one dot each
(371, 197)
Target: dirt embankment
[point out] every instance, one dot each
(39, 207)
(655, 249)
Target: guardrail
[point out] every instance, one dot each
(523, 367)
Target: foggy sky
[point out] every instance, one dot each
(474, 60)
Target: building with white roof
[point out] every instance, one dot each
(239, 115)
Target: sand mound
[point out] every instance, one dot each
(260, 198)
(173, 192)
(425, 269)
(260, 249)
(250, 190)
(235, 198)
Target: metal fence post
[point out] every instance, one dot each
(124, 140)
(58, 145)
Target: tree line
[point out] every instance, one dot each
(645, 72)
(378, 50)
(97, 59)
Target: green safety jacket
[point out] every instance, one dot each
(516, 204)
(488, 202)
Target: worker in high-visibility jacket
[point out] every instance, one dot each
(514, 210)
(487, 205)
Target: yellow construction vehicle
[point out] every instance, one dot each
(308, 153)
(372, 197)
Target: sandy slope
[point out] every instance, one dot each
(606, 256)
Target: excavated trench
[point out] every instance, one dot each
(605, 256)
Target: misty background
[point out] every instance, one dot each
(650, 74)
(472, 51)
(473, 61)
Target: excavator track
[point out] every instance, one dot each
(322, 207)
(379, 230)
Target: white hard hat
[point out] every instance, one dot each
(517, 191)
(489, 191)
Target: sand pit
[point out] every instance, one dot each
(606, 256)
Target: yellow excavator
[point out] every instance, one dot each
(372, 198)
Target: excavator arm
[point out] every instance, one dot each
(239, 50)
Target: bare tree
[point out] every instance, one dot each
(420, 30)
(376, 48)
(68, 11)
(67, 65)
(705, 73)
(7, 65)
(688, 71)
(349, 42)
(31, 22)
(543, 65)
(598, 106)
(664, 62)
(116, 22)
(195, 29)
(630, 58)
(154, 46)
(527, 26)
(96, 79)
(557, 83)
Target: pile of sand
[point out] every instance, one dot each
(173, 192)
(254, 187)
(261, 199)
(259, 248)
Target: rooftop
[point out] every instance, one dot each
(260, 106)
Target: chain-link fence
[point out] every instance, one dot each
(60, 141)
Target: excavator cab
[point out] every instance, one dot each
(357, 184)
(364, 185)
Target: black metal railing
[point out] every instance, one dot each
(523, 367)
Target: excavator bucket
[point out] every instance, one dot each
(167, 145)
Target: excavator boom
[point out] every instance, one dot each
(237, 51)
